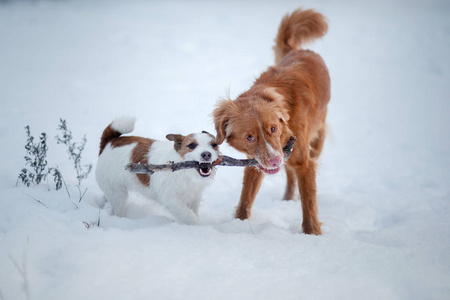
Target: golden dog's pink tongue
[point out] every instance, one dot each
(270, 171)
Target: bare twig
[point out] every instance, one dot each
(38, 201)
(250, 225)
(23, 273)
(58, 179)
(64, 182)
(75, 149)
(81, 195)
(222, 161)
(87, 225)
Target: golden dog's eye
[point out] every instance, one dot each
(273, 129)
(250, 138)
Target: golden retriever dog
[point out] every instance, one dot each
(289, 99)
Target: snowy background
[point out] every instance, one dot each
(383, 183)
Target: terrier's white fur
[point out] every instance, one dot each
(124, 124)
(180, 192)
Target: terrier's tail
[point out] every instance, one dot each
(299, 27)
(114, 130)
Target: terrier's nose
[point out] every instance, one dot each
(206, 156)
(275, 161)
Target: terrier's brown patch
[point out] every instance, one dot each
(182, 143)
(139, 153)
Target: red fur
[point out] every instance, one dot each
(288, 99)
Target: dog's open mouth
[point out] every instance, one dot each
(270, 171)
(204, 169)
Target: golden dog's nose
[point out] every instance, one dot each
(275, 161)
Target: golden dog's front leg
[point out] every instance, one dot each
(291, 183)
(251, 184)
(306, 175)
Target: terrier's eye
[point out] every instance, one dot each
(250, 138)
(214, 145)
(192, 146)
(273, 129)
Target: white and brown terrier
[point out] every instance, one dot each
(180, 192)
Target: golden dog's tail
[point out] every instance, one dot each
(299, 27)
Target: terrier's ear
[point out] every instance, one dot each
(206, 132)
(177, 139)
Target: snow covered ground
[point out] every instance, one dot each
(383, 184)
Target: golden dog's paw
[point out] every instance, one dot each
(312, 228)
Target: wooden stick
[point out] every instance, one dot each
(223, 160)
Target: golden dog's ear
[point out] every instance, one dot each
(221, 118)
(283, 115)
(273, 94)
(177, 139)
